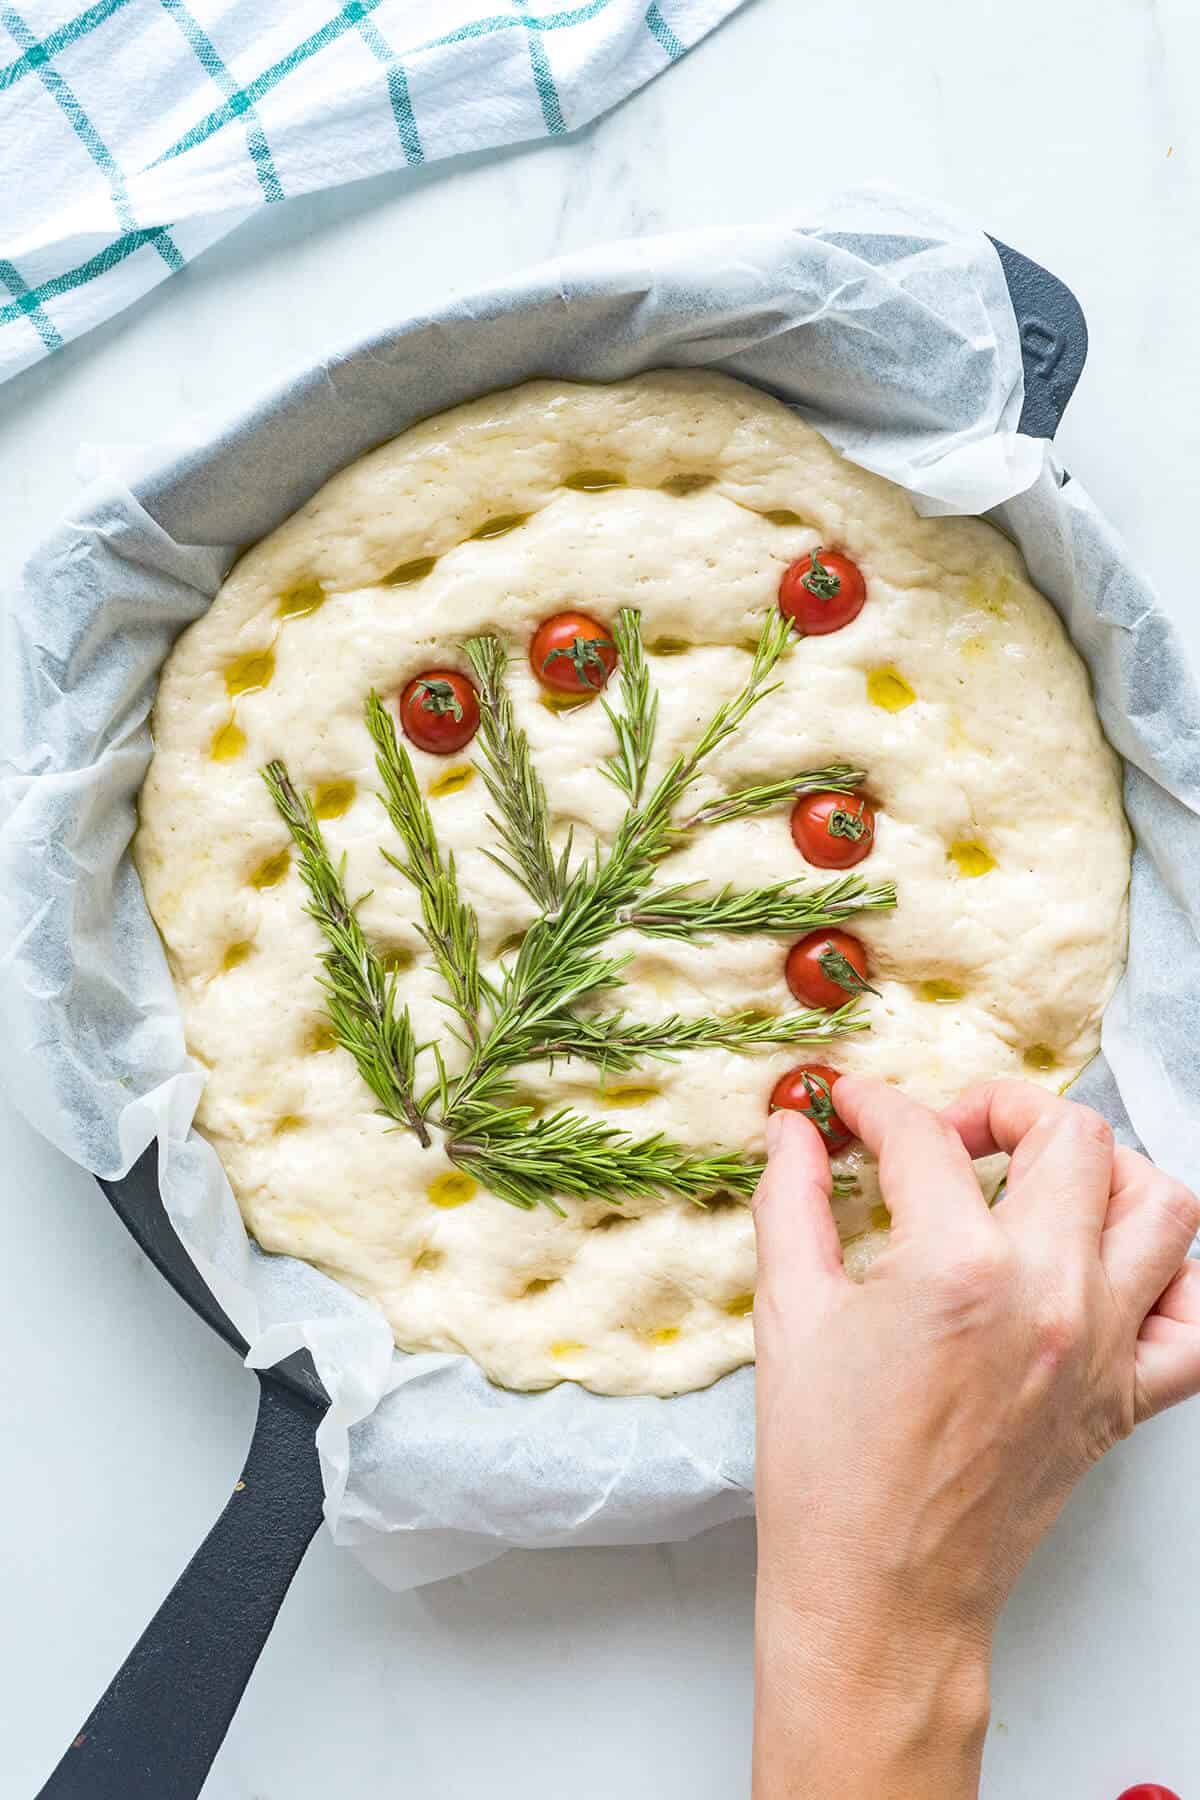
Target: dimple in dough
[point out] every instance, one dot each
(685, 495)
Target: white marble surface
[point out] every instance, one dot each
(1068, 129)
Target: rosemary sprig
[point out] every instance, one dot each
(359, 995)
(523, 824)
(634, 724)
(450, 928)
(744, 803)
(568, 1156)
(649, 832)
(775, 637)
(677, 912)
(616, 1045)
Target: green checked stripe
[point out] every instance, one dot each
(27, 307)
(28, 300)
(539, 62)
(64, 96)
(657, 26)
(209, 58)
(397, 83)
(42, 50)
(554, 21)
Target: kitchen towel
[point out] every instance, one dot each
(134, 133)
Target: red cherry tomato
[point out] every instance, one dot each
(827, 968)
(439, 711)
(572, 653)
(1148, 1790)
(821, 592)
(833, 831)
(807, 1090)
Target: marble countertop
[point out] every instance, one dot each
(1068, 130)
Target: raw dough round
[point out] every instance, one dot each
(384, 573)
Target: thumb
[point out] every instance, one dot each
(798, 1246)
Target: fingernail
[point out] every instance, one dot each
(775, 1130)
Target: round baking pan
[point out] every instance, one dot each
(156, 1730)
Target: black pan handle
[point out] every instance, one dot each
(1054, 339)
(159, 1726)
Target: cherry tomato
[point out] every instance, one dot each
(439, 711)
(572, 653)
(833, 831)
(1148, 1790)
(807, 1090)
(827, 968)
(821, 592)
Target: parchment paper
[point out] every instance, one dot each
(888, 325)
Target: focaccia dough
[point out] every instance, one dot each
(719, 487)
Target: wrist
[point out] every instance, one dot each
(867, 1701)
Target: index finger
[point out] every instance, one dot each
(924, 1169)
(798, 1246)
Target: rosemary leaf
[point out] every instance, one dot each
(774, 639)
(552, 973)
(678, 912)
(359, 996)
(523, 824)
(744, 803)
(451, 929)
(616, 1045)
(635, 723)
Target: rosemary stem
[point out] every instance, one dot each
(360, 996)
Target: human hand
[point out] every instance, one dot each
(918, 1434)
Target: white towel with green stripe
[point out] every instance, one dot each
(136, 132)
